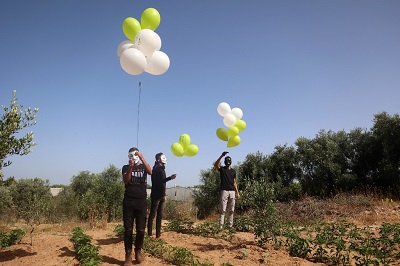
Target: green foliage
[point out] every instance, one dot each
(90, 197)
(254, 167)
(386, 136)
(6, 202)
(336, 243)
(87, 254)
(206, 196)
(180, 226)
(31, 198)
(323, 166)
(297, 246)
(83, 182)
(324, 161)
(268, 230)
(13, 120)
(65, 207)
(180, 256)
(99, 196)
(111, 189)
(259, 197)
(179, 210)
(205, 229)
(15, 236)
(119, 230)
(284, 165)
(339, 243)
(5, 240)
(170, 254)
(244, 224)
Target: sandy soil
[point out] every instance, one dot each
(51, 245)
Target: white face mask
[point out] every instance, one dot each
(163, 159)
(134, 157)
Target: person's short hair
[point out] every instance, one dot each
(133, 149)
(158, 156)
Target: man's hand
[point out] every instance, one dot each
(140, 155)
(173, 176)
(225, 153)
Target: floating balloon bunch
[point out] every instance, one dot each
(233, 121)
(141, 52)
(183, 147)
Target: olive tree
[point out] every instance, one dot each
(13, 120)
(386, 138)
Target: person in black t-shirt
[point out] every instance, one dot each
(135, 204)
(158, 185)
(229, 188)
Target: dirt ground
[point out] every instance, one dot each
(51, 245)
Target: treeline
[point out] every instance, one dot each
(90, 197)
(363, 160)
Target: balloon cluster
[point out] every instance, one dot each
(233, 121)
(183, 147)
(141, 52)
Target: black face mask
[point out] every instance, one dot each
(228, 161)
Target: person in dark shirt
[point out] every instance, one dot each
(135, 204)
(158, 196)
(229, 188)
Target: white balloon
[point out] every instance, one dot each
(237, 112)
(158, 63)
(123, 46)
(133, 61)
(147, 41)
(223, 109)
(229, 120)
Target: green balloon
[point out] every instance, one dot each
(150, 19)
(233, 141)
(240, 124)
(233, 131)
(177, 149)
(222, 134)
(131, 27)
(184, 140)
(191, 150)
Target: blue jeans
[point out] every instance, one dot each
(157, 208)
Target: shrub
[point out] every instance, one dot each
(15, 236)
(87, 253)
(184, 210)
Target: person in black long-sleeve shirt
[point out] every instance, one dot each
(158, 185)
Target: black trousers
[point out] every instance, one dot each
(157, 208)
(134, 211)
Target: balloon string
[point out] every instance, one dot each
(138, 112)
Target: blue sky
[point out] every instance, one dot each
(293, 67)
